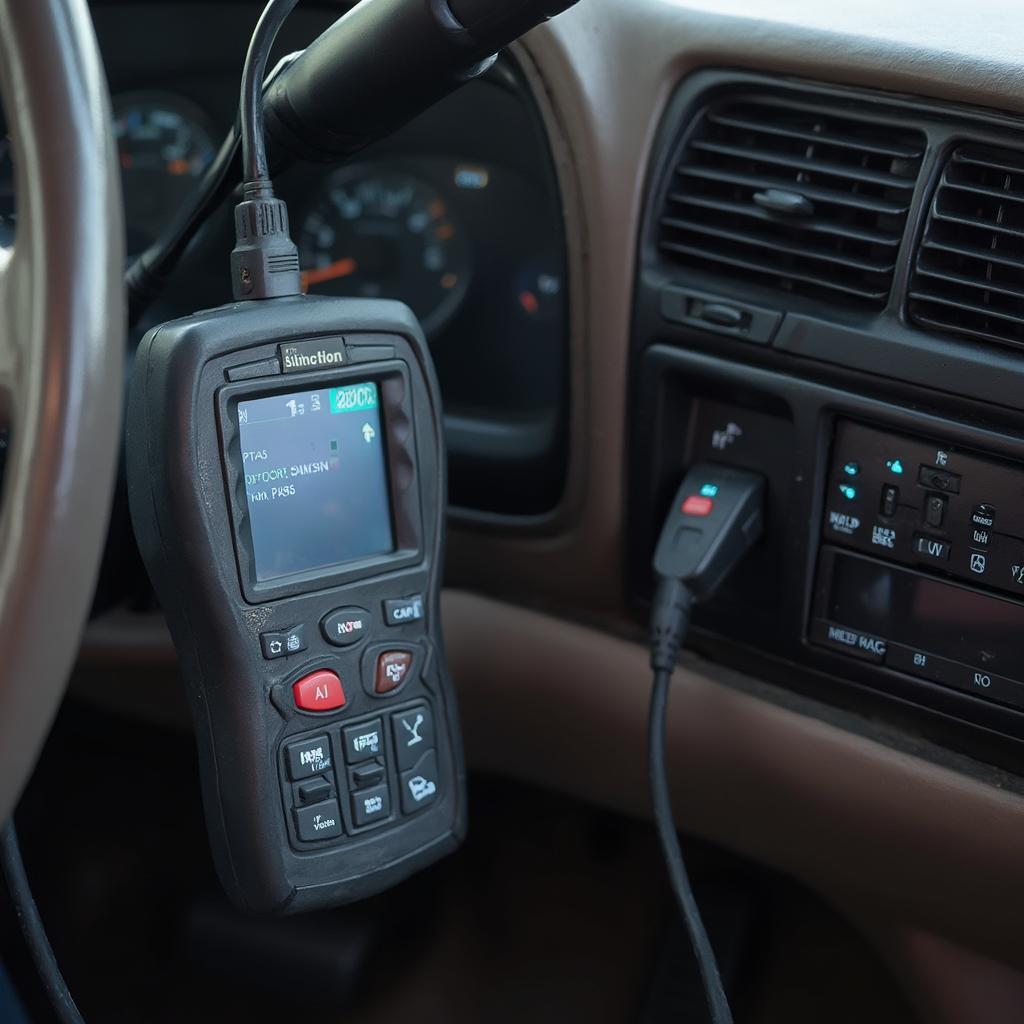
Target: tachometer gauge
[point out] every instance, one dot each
(378, 232)
(164, 144)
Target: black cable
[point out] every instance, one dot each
(32, 928)
(146, 278)
(670, 621)
(254, 145)
(149, 273)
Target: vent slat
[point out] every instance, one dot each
(968, 274)
(943, 300)
(997, 162)
(835, 238)
(971, 282)
(806, 165)
(773, 245)
(973, 252)
(922, 319)
(766, 268)
(756, 213)
(815, 192)
(825, 138)
(977, 223)
(983, 190)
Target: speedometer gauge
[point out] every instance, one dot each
(378, 232)
(164, 144)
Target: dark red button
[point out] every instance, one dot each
(696, 505)
(392, 668)
(319, 691)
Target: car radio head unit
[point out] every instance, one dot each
(922, 571)
(287, 483)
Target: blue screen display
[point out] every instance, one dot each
(315, 479)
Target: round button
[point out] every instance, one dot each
(346, 626)
(319, 691)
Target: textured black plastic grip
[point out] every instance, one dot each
(189, 522)
(701, 542)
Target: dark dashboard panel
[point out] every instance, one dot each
(759, 355)
(458, 214)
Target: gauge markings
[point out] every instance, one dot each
(332, 272)
(379, 232)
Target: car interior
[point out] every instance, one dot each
(511, 510)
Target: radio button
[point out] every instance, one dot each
(309, 757)
(319, 691)
(988, 686)
(369, 774)
(938, 480)
(413, 733)
(932, 549)
(371, 806)
(978, 563)
(391, 671)
(420, 785)
(934, 511)
(980, 536)
(890, 500)
(916, 662)
(849, 641)
(984, 516)
(346, 626)
(315, 791)
(318, 822)
(280, 645)
(363, 742)
(397, 612)
(950, 673)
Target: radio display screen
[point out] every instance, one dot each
(316, 483)
(948, 620)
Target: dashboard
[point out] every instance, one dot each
(668, 231)
(458, 214)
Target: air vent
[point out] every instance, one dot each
(797, 196)
(969, 273)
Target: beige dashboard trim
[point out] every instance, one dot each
(565, 707)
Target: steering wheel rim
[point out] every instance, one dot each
(62, 328)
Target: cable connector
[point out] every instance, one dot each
(715, 518)
(670, 622)
(265, 260)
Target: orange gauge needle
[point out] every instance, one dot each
(339, 268)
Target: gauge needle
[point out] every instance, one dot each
(339, 268)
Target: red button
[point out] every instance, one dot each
(319, 691)
(392, 668)
(695, 505)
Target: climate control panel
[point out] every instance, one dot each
(927, 505)
(922, 570)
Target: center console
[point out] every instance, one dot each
(827, 294)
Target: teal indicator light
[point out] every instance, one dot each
(851, 468)
(354, 398)
(895, 466)
(709, 491)
(848, 492)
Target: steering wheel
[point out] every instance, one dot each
(62, 330)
